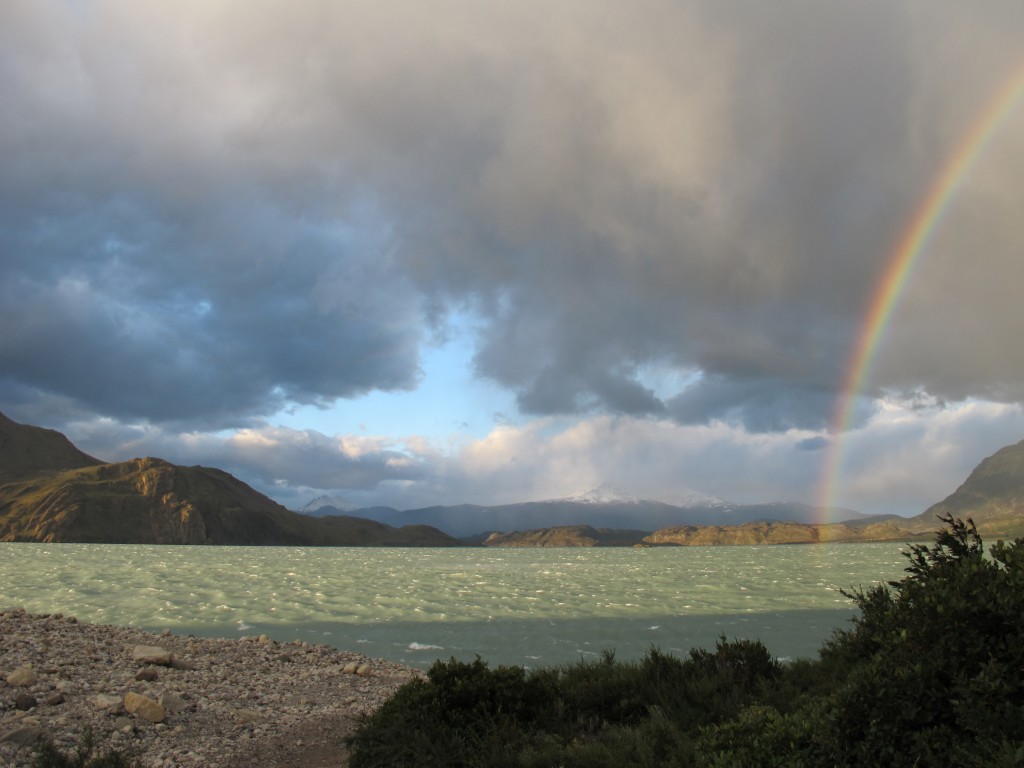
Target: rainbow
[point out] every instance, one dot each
(911, 244)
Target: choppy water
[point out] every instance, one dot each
(512, 606)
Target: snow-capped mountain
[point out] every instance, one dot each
(606, 493)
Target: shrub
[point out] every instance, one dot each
(592, 713)
(936, 659)
(48, 756)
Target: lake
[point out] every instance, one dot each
(527, 607)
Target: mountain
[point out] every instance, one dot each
(51, 491)
(603, 494)
(602, 507)
(327, 505)
(992, 496)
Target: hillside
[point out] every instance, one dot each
(150, 501)
(26, 450)
(992, 495)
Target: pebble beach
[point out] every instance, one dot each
(180, 700)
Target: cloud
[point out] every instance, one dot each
(902, 460)
(210, 212)
(817, 443)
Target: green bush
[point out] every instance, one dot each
(598, 713)
(936, 660)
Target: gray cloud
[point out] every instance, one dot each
(209, 212)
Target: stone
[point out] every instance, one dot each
(149, 674)
(23, 677)
(25, 701)
(263, 640)
(247, 715)
(363, 670)
(107, 701)
(25, 736)
(123, 724)
(350, 668)
(151, 654)
(171, 702)
(144, 707)
(55, 699)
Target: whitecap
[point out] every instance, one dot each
(421, 647)
(656, 626)
(242, 626)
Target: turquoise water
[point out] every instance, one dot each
(512, 606)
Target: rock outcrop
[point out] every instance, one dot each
(781, 533)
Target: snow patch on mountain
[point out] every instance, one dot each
(605, 493)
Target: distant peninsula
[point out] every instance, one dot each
(50, 491)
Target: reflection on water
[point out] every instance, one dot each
(521, 606)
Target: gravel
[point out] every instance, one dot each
(219, 702)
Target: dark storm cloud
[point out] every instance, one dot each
(210, 211)
(814, 444)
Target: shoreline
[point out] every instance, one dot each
(218, 702)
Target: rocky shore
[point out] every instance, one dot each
(176, 700)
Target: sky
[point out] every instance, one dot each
(412, 253)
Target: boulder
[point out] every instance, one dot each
(171, 702)
(144, 707)
(25, 701)
(25, 736)
(151, 654)
(23, 677)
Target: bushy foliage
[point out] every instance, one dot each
(930, 674)
(936, 659)
(599, 713)
(47, 755)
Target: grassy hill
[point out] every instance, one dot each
(992, 495)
